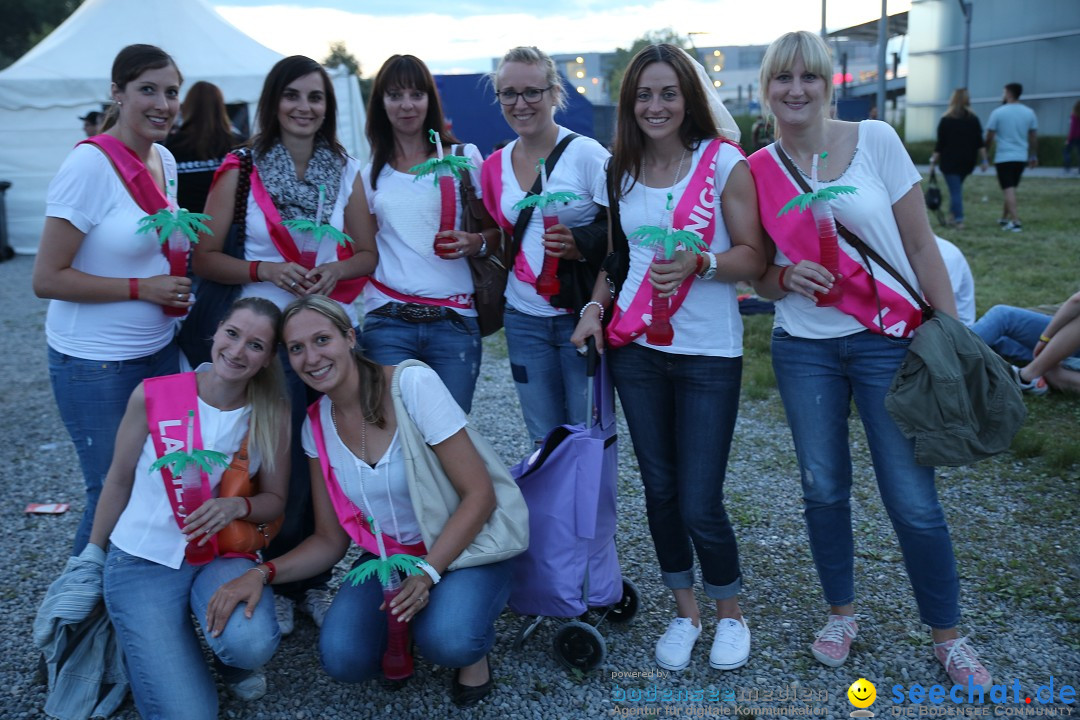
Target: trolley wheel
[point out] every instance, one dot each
(627, 607)
(579, 646)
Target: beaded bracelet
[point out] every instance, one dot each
(592, 302)
(265, 577)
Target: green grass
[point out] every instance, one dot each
(1038, 267)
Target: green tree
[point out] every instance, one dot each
(340, 56)
(623, 55)
(26, 22)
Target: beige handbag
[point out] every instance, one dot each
(434, 499)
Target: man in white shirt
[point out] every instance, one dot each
(1014, 127)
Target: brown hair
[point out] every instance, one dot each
(284, 72)
(206, 131)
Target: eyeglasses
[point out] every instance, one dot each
(530, 95)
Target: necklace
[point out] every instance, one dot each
(668, 206)
(359, 468)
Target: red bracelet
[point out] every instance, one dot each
(700, 264)
(780, 280)
(273, 571)
(248, 503)
(133, 288)
(253, 270)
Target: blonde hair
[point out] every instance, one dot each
(959, 104)
(372, 380)
(266, 390)
(781, 56)
(530, 55)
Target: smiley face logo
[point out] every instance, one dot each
(862, 693)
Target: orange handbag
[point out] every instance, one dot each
(243, 536)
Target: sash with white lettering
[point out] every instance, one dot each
(134, 174)
(346, 290)
(796, 234)
(168, 400)
(347, 511)
(695, 212)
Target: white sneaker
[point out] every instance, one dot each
(315, 603)
(731, 646)
(675, 645)
(250, 688)
(283, 610)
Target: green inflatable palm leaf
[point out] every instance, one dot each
(405, 564)
(543, 200)
(318, 231)
(669, 240)
(826, 193)
(449, 165)
(179, 460)
(165, 223)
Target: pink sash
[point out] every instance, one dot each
(796, 234)
(463, 302)
(134, 174)
(168, 401)
(346, 290)
(491, 183)
(348, 513)
(695, 212)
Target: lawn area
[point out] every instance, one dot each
(1038, 267)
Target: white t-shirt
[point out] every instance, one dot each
(708, 322)
(383, 491)
(1011, 124)
(580, 169)
(89, 194)
(883, 173)
(260, 246)
(147, 527)
(961, 279)
(407, 212)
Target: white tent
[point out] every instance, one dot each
(67, 74)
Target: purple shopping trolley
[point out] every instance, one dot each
(571, 565)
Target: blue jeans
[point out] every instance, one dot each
(92, 396)
(548, 371)
(1071, 148)
(817, 381)
(681, 412)
(451, 348)
(956, 195)
(1012, 332)
(455, 630)
(151, 605)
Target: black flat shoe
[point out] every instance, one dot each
(466, 696)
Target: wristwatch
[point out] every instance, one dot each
(711, 272)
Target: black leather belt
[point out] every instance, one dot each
(416, 313)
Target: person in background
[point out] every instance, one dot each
(961, 279)
(418, 303)
(548, 372)
(675, 156)
(301, 165)
(1013, 130)
(107, 282)
(201, 142)
(761, 133)
(1072, 140)
(92, 122)
(826, 356)
(959, 143)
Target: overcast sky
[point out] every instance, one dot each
(481, 29)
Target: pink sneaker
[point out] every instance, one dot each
(961, 662)
(834, 640)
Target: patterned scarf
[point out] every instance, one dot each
(299, 199)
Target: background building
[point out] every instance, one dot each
(1036, 44)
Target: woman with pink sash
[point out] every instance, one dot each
(108, 325)
(360, 486)
(548, 373)
(300, 174)
(419, 301)
(151, 587)
(828, 351)
(676, 169)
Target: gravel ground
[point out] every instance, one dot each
(1014, 527)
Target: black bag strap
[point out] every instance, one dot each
(526, 214)
(243, 186)
(868, 253)
(468, 190)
